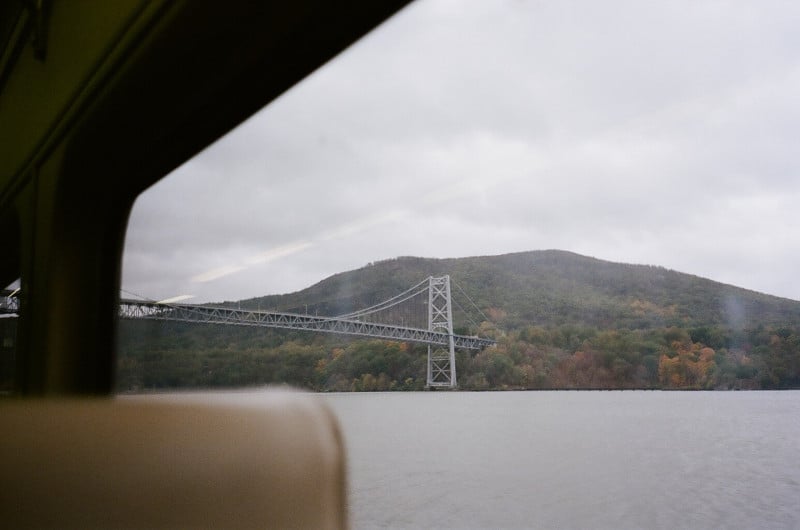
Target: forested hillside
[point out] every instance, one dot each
(561, 321)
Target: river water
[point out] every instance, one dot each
(618, 459)
(634, 459)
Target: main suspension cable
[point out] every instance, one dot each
(387, 303)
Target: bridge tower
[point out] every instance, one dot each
(441, 361)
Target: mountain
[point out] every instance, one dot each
(561, 320)
(552, 288)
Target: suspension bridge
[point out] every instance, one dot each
(425, 312)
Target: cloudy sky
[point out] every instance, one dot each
(661, 133)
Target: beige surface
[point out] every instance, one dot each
(160, 463)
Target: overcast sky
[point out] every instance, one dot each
(661, 133)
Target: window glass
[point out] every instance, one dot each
(612, 189)
(9, 312)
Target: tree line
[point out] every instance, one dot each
(161, 355)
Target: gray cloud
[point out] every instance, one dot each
(631, 131)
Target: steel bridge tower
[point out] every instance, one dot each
(441, 361)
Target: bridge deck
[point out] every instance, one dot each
(134, 309)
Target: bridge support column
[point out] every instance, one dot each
(441, 361)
